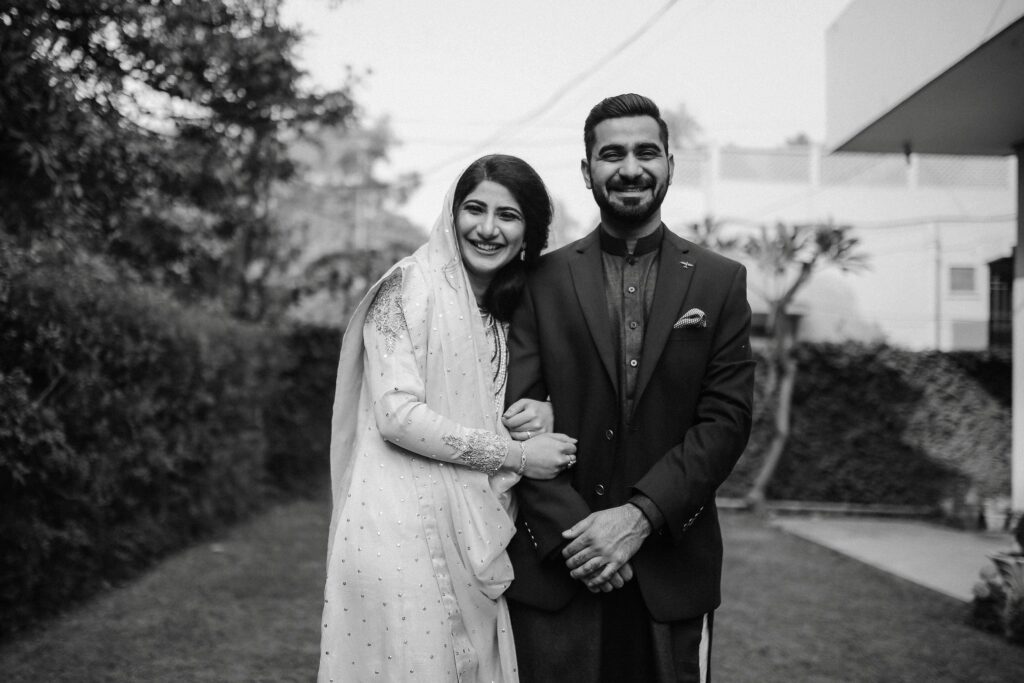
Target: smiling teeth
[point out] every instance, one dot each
(487, 247)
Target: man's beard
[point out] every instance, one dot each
(631, 212)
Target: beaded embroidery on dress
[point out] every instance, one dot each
(386, 310)
(481, 451)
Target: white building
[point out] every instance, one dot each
(941, 77)
(931, 225)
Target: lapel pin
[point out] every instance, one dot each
(686, 264)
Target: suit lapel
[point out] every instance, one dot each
(588, 281)
(675, 273)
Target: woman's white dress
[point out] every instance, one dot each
(417, 561)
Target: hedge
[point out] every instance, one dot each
(129, 426)
(875, 424)
(298, 413)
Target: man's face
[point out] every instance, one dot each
(629, 170)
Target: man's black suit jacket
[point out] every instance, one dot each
(690, 424)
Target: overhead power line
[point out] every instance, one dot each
(513, 127)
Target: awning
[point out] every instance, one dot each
(975, 107)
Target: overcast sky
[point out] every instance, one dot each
(461, 78)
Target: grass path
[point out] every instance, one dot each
(246, 608)
(242, 608)
(795, 611)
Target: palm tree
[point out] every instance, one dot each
(788, 255)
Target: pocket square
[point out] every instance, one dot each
(692, 318)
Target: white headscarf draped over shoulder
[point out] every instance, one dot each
(458, 385)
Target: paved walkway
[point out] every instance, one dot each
(937, 557)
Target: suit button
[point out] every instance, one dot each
(610, 434)
(599, 489)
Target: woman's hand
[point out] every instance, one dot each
(527, 418)
(547, 455)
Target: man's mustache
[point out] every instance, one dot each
(641, 185)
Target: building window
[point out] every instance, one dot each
(961, 280)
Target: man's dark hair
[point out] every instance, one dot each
(621, 106)
(523, 183)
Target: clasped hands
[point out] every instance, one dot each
(601, 545)
(530, 422)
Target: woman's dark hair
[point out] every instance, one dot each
(518, 177)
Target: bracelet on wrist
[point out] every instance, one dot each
(522, 458)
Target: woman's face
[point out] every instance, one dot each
(490, 227)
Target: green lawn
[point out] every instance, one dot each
(795, 611)
(246, 608)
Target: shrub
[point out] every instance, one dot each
(873, 424)
(989, 602)
(998, 605)
(129, 425)
(298, 415)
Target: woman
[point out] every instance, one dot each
(421, 465)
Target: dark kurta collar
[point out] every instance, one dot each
(644, 245)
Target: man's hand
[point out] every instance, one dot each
(527, 418)
(618, 580)
(603, 542)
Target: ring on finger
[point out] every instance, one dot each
(529, 434)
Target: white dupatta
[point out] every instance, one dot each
(458, 385)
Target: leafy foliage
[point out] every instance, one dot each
(128, 425)
(298, 412)
(337, 222)
(998, 605)
(149, 166)
(684, 132)
(152, 131)
(791, 253)
(874, 424)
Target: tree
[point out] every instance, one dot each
(151, 132)
(789, 255)
(338, 221)
(708, 233)
(683, 130)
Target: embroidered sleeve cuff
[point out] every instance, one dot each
(650, 510)
(479, 450)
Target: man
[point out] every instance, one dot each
(641, 341)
